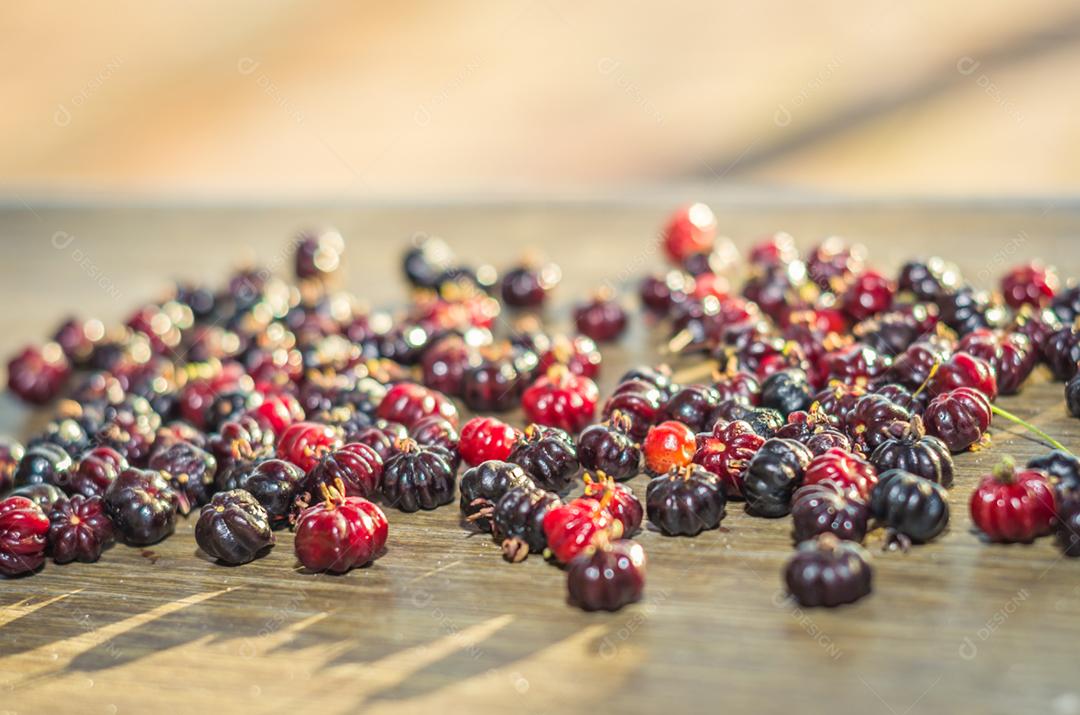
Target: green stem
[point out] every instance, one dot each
(1030, 427)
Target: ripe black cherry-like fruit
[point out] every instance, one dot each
(190, 472)
(958, 418)
(24, 531)
(493, 383)
(356, 466)
(417, 477)
(826, 571)
(1072, 395)
(693, 405)
(142, 506)
(548, 456)
(602, 318)
(928, 279)
(1063, 471)
(916, 510)
(1029, 284)
(639, 401)
(518, 521)
(828, 507)
(1062, 352)
(79, 529)
(610, 448)
(43, 463)
(1068, 529)
(11, 453)
(786, 391)
(234, 528)
(607, 577)
(1011, 356)
(38, 374)
(870, 418)
(912, 450)
(686, 501)
(527, 286)
(772, 476)
(44, 495)
(274, 483)
(483, 486)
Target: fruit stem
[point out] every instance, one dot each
(929, 377)
(1005, 470)
(1031, 428)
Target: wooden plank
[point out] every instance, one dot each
(440, 622)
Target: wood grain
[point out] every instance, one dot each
(440, 623)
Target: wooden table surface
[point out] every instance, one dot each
(440, 622)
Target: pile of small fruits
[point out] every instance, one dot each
(831, 393)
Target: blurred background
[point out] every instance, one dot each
(289, 99)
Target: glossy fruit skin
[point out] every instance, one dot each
(382, 436)
(609, 448)
(927, 280)
(444, 363)
(277, 412)
(685, 501)
(739, 385)
(190, 472)
(786, 391)
(847, 469)
(79, 529)
(548, 456)
(1063, 471)
(305, 443)
(318, 254)
(417, 477)
(608, 577)
(828, 507)
(870, 418)
(573, 527)
(43, 463)
(966, 309)
(1062, 352)
(958, 418)
(1068, 529)
(579, 354)
(910, 506)
(337, 535)
(358, 467)
(1072, 395)
(1030, 284)
(142, 506)
(486, 438)
(826, 439)
(407, 403)
(601, 319)
(1011, 356)
(912, 450)
(640, 402)
(774, 473)
(826, 571)
(435, 431)
(44, 495)
(526, 287)
(484, 485)
(24, 530)
(234, 528)
(964, 370)
(622, 504)
(274, 483)
(37, 375)
(726, 451)
(856, 364)
(519, 520)
(668, 445)
(690, 229)
(493, 385)
(1013, 506)
(240, 438)
(561, 399)
(692, 405)
(868, 294)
